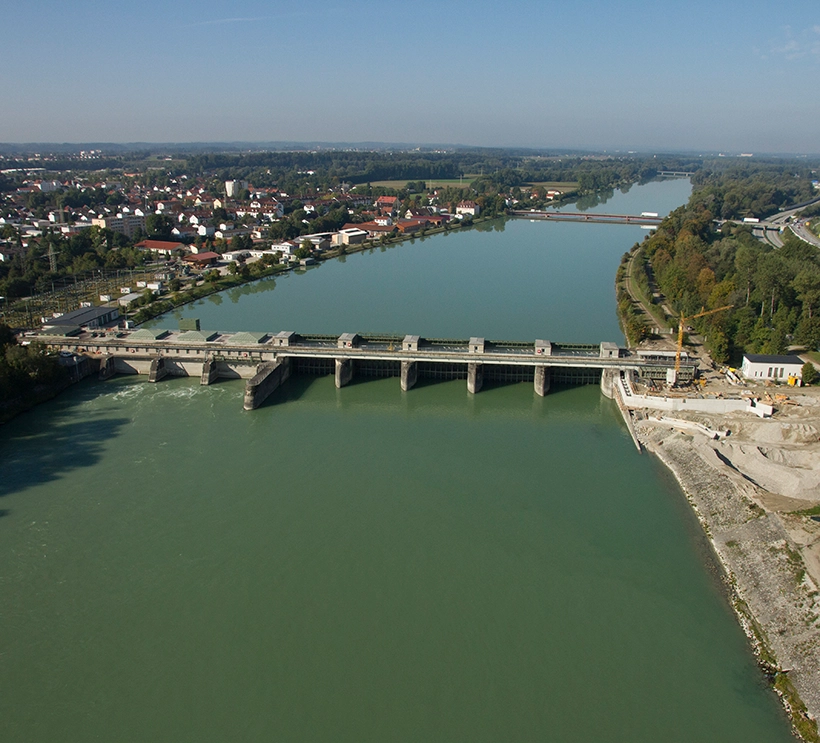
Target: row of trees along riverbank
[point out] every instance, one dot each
(28, 375)
(775, 293)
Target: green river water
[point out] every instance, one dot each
(365, 564)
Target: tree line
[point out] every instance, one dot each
(25, 371)
(774, 293)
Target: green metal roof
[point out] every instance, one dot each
(196, 336)
(245, 339)
(144, 334)
(66, 330)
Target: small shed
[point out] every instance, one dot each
(126, 299)
(348, 340)
(188, 323)
(284, 338)
(609, 350)
(410, 343)
(543, 348)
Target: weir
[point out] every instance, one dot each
(409, 375)
(344, 372)
(157, 370)
(542, 380)
(265, 381)
(210, 372)
(268, 359)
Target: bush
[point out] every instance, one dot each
(809, 374)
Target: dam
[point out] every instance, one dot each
(266, 360)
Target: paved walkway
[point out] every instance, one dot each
(630, 289)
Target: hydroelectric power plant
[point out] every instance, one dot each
(267, 360)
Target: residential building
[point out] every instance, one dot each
(124, 224)
(468, 208)
(161, 247)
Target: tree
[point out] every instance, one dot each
(808, 373)
(159, 225)
(807, 286)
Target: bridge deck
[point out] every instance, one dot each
(222, 346)
(587, 217)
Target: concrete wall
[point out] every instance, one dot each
(269, 376)
(409, 375)
(235, 370)
(609, 378)
(129, 365)
(717, 406)
(475, 377)
(703, 406)
(344, 372)
(176, 368)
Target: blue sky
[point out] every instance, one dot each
(696, 75)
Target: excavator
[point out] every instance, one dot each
(682, 324)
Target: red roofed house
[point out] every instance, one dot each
(202, 259)
(387, 204)
(373, 229)
(408, 226)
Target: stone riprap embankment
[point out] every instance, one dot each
(762, 554)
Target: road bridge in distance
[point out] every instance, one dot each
(266, 360)
(553, 216)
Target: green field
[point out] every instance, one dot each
(431, 183)
(559, 185)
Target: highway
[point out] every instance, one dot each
(802, 230)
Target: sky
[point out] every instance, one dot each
(700, 75)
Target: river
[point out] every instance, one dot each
(365, 564)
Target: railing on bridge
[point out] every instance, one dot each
(268, 359)
(556, 216)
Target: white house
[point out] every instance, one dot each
(349, 236)
(760, 367)
(467, 207)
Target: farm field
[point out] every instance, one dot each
(432, 183)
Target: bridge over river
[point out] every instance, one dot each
(644, 220)
(267, 360)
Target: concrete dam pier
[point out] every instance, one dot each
(267, 360)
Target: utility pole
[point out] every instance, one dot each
(52, 258)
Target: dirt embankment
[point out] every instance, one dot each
(754, 492)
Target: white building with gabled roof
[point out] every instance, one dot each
(762, 367)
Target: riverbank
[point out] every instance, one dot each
(754, 494)
(42, 393)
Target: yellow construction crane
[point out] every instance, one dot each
(682, 322)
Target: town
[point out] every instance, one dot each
(175, 231)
